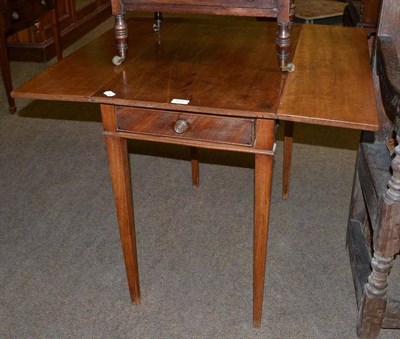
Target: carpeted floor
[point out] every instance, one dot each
(61, 269)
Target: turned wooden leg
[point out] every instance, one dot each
(121, 181)
(373, 304)
(194, 159)
(121, 38)
(386, 246)
(287, 157)
(283, 46)
(286, 13)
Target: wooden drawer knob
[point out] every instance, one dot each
(181, 126)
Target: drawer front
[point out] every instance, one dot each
(23, 12)
(211, 3)
(199, 127)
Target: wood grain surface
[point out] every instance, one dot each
(223, 69)
(332, 84)
(219, 69)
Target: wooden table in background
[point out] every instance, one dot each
(282, 10)
(226, 70)
(18, 15)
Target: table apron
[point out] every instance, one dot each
(270, 12)
(191, 143)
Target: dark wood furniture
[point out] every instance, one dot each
(362, 13)
(373, 235)
(282, 10)
(226, 71)
(17, 15)
(76, 18)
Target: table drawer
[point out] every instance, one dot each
(199, 127)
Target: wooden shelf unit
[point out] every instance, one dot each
(37, 44)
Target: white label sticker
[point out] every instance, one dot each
(109, 93)
(180, 101)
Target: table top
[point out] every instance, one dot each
(332, 84)
(224, 66)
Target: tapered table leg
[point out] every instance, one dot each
(287, 158)
(121, 181)
(263, 173)
(194, 159)
(262, 198)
